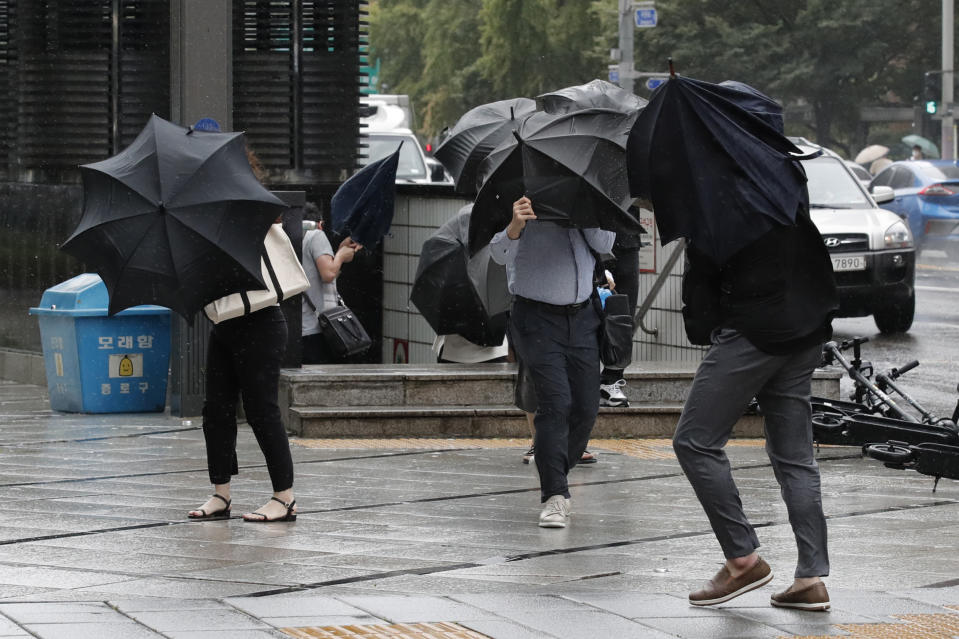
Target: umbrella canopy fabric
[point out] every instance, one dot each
(878, 165)
(475, 135)
(571, 166)
(929, 149)
(457, 294)
(594, 94)
(715, 164)
(870, 154)
(176, 219)
(363, 205)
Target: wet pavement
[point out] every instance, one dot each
(432, 538)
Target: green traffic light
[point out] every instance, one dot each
(931, 107)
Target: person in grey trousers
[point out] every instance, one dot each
(765, 314)
(554, 328)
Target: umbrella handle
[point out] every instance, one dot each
(672, 70)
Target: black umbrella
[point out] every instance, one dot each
(457, 294)
(475, 134)
(715, 164)
(594, 94)
(176, 219)
(363, 205)
(572, 166)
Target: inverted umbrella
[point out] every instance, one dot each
(571, 166)
(715, 164)
(871, 153)
(176, 219)
(475, 135)
(929, 149)
(363, 205)
(594, 94)
(457, 294)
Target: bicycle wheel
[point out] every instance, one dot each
(892, 452)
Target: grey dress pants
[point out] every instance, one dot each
(732, 372)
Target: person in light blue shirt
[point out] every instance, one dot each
(554, 328)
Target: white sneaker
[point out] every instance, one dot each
(612, 394)
(555, 512)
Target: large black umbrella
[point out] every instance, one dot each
(594, 94)
(715, 164)
(572, 166)
(176, 219)
(363, 205)
(475, 134)
(457, 294)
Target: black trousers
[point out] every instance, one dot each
(562, 354)
(625, 272)
(243, 360)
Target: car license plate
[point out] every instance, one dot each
(849, 263)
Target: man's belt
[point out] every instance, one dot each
(558, 309)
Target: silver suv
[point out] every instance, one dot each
(872, 249)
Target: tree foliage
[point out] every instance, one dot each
(823, 59)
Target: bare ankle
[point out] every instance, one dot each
(804, 582)
(739, 565)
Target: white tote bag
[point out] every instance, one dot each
(282, 273)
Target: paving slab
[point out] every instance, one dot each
(97, 543)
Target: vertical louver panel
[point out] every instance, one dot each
(144, 65)
(8, 101)
(88, 75)
(296, 83)
(64, 86)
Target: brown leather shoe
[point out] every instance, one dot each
(724, 586)
(812, 597)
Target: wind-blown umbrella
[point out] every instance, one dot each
(363, 205)
(176, 219)
(594, 94)
(929, 149)
(715, 164)
(475, 135)
(870, 154)
(457, 294)
(571, 166)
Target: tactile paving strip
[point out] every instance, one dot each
(930, 626)
(641, 448)
(440, 630)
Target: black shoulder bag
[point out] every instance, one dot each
(341, 329)
(616, 322)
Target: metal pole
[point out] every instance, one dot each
(626, 30)
(948, 140)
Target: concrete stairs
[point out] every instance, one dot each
(475, 400)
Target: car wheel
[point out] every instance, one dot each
(896, 317)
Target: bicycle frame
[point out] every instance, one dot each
(866, 392)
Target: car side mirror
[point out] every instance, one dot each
(882, 194)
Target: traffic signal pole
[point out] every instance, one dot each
(948, 139)
(626, 30)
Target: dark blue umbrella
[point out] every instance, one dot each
(715, 164)
(363, 205)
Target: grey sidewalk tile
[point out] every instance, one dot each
(714, 627)
(813, 630)
(294, 606)
(191, 620)
(412, 609)
(878, 605)
(129, 630)
(945, 596)
(501, 629)
(526, 603)
(30, 613)
(638, 604)
(175, 588)
(146, 604)
(565, 623)
(8, 628)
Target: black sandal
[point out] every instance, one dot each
(220, 514)
(289, 516)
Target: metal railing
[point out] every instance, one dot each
(640, 316)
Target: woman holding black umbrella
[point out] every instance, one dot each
(244, 356)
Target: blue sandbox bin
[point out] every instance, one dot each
(96, 363)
